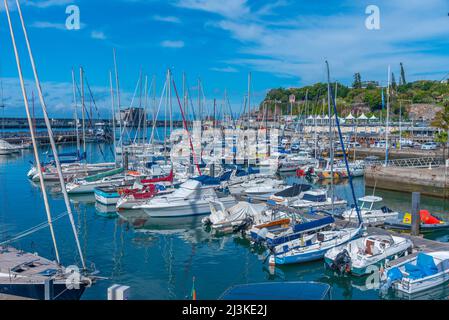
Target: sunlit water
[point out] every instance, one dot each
(159, 258)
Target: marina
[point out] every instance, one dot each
(161, 184)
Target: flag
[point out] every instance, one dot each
(193, 290)
(383, 99)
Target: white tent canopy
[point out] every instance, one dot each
(373, 117)
(362, 117)
(350, 117)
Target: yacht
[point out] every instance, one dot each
(190, 199)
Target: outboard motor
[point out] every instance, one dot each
(342, 262)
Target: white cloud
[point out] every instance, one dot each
(168, 19)
(412, 32)
(172, 44)
(48, 3)
(229, 8)
(225, 69)
(48, 25)
(98, 35)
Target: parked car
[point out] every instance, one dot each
(429, 146)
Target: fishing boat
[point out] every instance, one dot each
(288, 290)
(371, 211)
(429, 223)
(190, 199)
(356, 256)
(418, 273)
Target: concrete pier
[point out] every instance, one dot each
(430, 182)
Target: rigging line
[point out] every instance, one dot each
(31, 230)
(188, 133)
(157, 113)
(52, 142)
(92, 96)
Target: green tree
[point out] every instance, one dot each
(402, 80)
(393, 82)
(357, 84)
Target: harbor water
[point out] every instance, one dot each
(158, 258)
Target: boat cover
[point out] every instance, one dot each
(293, 191)
(207, 180)
(424, 267)
(240, 211)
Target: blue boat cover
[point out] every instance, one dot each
(207, 180)
(313, 224)
(425, 266)
(291, 290)
(252, 170)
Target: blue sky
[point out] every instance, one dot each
(282, 42)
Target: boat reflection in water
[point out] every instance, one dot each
(105, 211)
(188, 228)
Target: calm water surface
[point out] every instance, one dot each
(159, 258)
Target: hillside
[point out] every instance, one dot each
(367, 99)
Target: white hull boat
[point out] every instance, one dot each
(369, 213)
(189, 200)
(375, 250)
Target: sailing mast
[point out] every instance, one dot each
(387, 127)
(78, 147)
(117, 84)
(83, 107)
(33, 137)
(113, 117)
(50, 133)
(331, 137)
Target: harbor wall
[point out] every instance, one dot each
(430, 182)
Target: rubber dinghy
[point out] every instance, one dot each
(356, 256)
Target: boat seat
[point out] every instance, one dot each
(386, 209)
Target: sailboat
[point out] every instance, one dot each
(314, 245)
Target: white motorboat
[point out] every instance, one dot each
(418, 273)
(370, 211)
(7, 149)
(316, 199)
(263, 189)
(190, 199)
(356, 256)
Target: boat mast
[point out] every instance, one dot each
(113, 117)
(331, 137)
(144, 133)
(117, 84)
(78, 147)
(387, 127)
(52, 141)
(33, 137)
(83, 107)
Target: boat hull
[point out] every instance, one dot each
(36, 291)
